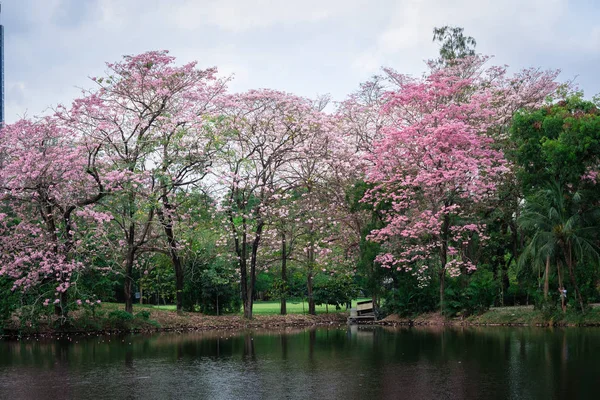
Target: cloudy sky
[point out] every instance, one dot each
(307, 47)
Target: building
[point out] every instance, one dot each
(1, 72)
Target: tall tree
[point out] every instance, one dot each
(557, 158)
(453, 44)
(434, 168)
(265, 131)
(148, 115)
(47, 179)
(561, 233)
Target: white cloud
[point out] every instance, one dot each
(503, 28)
(301, 46)
(237, 16)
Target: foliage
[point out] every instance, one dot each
(160, 178)
(337, 290)
(475, 297)
(219, 295)
(405, 297)
(9, 299)
(563, 232)
(438, 165)
(454, 44)
(122, 320)
(157, 280)
(558, 143)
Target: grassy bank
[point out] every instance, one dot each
(519, 315)
(111, 317)
(145, 317)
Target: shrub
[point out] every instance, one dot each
(474, 298)
(143, 315)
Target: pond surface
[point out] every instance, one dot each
(325, 363)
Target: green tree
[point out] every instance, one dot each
(336, 290)
(561, 232)
(453, 44)
(556, 150)
(559, 142)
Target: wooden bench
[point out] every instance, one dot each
(363, 312)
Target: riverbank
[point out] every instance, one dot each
(504, 316)
(109, 318)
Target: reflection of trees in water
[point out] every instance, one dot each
(312, 338)
(283, 339)
(249, 353)
(320, 363)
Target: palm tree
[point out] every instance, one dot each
(562, 230)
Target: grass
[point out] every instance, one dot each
(293, 307)
(260, 307)
(527, 315)
(509, 315)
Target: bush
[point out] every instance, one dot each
(119, 319)
(8, 299)
(474, 298)
(120, 315)
(407, 299)
(143, 315)
(122, 320)
(337, 290)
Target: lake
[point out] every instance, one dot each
(357, 362)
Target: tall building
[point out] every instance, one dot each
(1, 71)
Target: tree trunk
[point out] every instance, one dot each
(311, 300)
(250, 292)
(129, 281)
(442, 288)
(444, 259)
(309, 278)
(283, 310)
(247, 292)
(179, 281)
(248, 304)
(166, 220)
(573, 279)
(560, 287)
(505, 281)
(61, 309)
(546, 278)
(244, 288)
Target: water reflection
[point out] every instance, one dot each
(337, 362)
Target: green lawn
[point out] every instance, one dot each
(293, 307)
(260, 307)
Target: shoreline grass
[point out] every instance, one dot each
(507, 316)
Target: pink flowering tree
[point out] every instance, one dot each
(48, 179)
(361, 121)
(320, 178)
(440, 160)
(263, 133)
(149, 116)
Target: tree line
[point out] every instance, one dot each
(454, 191)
